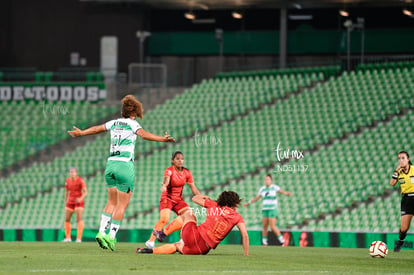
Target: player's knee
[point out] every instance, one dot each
(179, 246)
(188, 216)
(164, 219)
(186, 211)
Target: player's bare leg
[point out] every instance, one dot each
(276, 231)
(164, 218)
(265, 222)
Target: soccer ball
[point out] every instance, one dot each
(378, 249)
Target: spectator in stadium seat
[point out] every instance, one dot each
(119, 171)
(269, 208)
(175, 177)
(221, 217)
(75, 193)
(404, 175)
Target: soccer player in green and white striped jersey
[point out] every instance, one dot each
(119, 171)
(269, 208)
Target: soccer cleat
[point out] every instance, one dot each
(144, 250)
(78, 241)
(150, 244)
(281, 240)
(100, 239)
(160, 235)
(66, 240)
(398, 246)
(110, 242)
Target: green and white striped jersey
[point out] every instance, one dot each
(269, 196)
(123, 136)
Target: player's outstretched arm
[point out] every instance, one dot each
(284, 192)
(194, 189)
(149, 136)
(90, 131)
(252, 200)
(245, 237)
(200, 199)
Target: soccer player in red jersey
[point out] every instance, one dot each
(75, 192)
(220, 220)
(175, 177)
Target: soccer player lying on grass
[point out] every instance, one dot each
(197, 240)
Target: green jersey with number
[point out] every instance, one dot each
(268, 195)
(123, 136)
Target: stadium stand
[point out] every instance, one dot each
(336, 123)
(406, 64)
(31, 74)
(326, 71)
(92, 152)
(51, 120)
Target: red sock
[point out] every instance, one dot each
(80, 231)
(165, 249)
(67, 230)
(175, 225)
(160, 224)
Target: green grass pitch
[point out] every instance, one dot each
(88, 258)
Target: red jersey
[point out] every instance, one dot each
(177, 182)
(219, 222)
(75, 188)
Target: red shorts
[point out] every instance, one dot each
(73, 205)
(175, 205)
(194, 244)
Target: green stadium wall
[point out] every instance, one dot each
(301, 41)
(294, 238)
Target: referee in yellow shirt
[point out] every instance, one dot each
(404, 175)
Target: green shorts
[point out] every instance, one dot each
(120, 174)
(272, 213)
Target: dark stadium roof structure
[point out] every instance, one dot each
(258, 4)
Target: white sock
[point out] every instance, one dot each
(264, 240)
(150, 244)
(281, 240)
(105, 222)
(114, 229)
